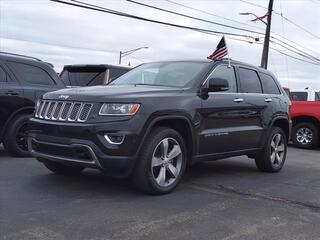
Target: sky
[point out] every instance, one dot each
(62, 34)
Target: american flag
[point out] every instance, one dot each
(220, 51)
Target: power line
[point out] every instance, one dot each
(202, 11)
(110, 11)
(211, 14)
(204, 20)
(285, 18)
(191, 17)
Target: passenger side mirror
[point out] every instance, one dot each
(217, 85)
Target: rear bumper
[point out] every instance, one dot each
(84, 145)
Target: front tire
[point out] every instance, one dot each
(305, 135)
(162, 162)
(273, 156)
(61, 169)
(15, 140)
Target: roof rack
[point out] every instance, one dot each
(20, 55)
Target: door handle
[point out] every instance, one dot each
(12, 93)
(238, 100)
(268, 100)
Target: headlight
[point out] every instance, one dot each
(119, 109)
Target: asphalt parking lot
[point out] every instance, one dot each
(227, 199)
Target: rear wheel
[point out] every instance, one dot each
(162, 162)
(59, 168)
(305, 135)
(15, 140)
(273, 156)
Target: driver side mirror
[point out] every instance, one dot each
(214, 85)
(218, 85)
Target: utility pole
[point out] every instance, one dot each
(265, 51)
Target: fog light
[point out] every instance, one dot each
(114, 138)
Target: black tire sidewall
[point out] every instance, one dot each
(275, 131)
(315, 135)
(10, 139)
(153, 140)
(263, 159)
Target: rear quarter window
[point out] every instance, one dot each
(29, 74)
(249, 81)
(269, 85)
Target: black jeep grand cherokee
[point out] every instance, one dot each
(158, 118)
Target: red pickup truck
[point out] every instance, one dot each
(305, 116)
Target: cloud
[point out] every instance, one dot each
(67, 35)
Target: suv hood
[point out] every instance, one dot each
(111, 92)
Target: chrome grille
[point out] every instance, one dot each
(63, 111)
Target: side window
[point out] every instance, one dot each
(249, 81)
(299, 96)
(30, 74)
(226, 73)
(268, 84)
(3, 75)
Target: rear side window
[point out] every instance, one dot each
(268, 84)
(299, 96)
(249, 81)
(30, 74)
(317, 96)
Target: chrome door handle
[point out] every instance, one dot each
(268, 100)
(238, 100)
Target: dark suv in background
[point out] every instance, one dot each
(91, 75)
(153, 121)
(23, 79)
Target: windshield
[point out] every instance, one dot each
(171, 74)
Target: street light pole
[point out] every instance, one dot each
(265, 51)
(120, 55)
(126, 53)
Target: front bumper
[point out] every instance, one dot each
(85, 145)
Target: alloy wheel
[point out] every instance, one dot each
(277, 150)
(304, 135)
(166, 162)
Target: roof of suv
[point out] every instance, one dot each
(104, 66)
(22, 58)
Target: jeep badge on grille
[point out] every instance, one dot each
(63, 97)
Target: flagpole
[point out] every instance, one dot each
(225, 41)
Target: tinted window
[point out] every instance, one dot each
(3, 75)
(268, 84)
(83, 77)
(249, 81)
(226, 73)
(115, 73)
(31, 74)
(317, 96)
(171, 74)
(299, 96)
